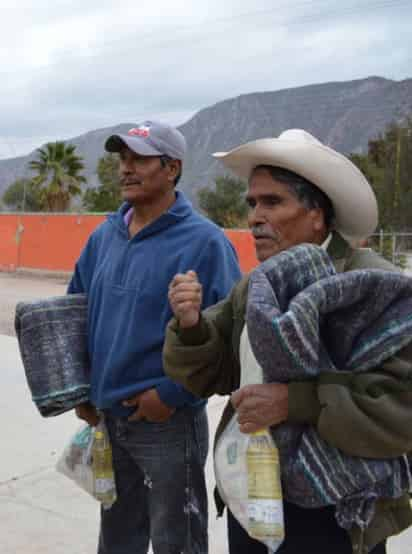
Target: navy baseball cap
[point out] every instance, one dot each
(150, 138)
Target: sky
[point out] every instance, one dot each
(71, 66)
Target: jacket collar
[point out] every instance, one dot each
(181, 209)
(340, 251)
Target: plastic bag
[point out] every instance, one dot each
(76, 463)
(248, 479)
(247, 468)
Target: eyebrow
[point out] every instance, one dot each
(264, 197)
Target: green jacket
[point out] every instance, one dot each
(364, 415)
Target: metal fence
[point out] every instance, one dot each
(396, 247)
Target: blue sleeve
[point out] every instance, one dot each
(174, 395)
(218, 270)
(83, 271)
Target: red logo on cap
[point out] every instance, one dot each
(141, 131)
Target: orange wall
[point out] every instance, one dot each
(9, 239)
(243, 242)
(54, 241)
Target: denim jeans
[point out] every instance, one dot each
(161, 488)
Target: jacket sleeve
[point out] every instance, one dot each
(202, 358)
(218, 270)
(367, 415)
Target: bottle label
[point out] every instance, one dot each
(264, 475)
(265, 518)
(103, 486)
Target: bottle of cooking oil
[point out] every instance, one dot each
(265, 510)
(102, 465)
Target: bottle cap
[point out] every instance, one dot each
(260, 432)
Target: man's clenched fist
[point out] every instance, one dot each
(185, 297)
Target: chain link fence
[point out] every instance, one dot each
(395, 247)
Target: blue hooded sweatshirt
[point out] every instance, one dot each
(127, 281)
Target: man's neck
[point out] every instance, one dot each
(144, 214)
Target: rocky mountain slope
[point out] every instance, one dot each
(344, 115)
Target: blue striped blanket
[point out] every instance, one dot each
(304, 319)
(52, 337)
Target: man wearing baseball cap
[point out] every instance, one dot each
(334, 427)
(158, 430)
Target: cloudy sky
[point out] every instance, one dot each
(70, 66)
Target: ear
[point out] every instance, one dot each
(318, 220)
(174, 167)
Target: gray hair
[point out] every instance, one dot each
(306, 192)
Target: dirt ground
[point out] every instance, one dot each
(19, 287)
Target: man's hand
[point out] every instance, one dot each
(260, 406)
(149, 407)
(88, 413)
(185, 297)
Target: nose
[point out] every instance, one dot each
(256, 216)
(125, 167)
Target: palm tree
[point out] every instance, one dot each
(58, 176)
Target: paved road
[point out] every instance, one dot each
(19, 288)
(41, 512)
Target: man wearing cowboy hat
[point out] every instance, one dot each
(299, 191)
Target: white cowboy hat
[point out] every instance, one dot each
(353, 200)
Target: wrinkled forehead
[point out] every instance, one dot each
(279, 174)
(262, 182)
(260, 170)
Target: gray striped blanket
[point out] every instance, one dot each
(52, 336)
(303, 319)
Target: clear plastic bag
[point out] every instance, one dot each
(76, 463)
(247, 468)
(248, 479)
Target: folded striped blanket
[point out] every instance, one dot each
(52, 337)
(303, 319)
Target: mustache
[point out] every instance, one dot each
(127, 181)
(264, 231)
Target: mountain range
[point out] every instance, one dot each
(343, 115)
